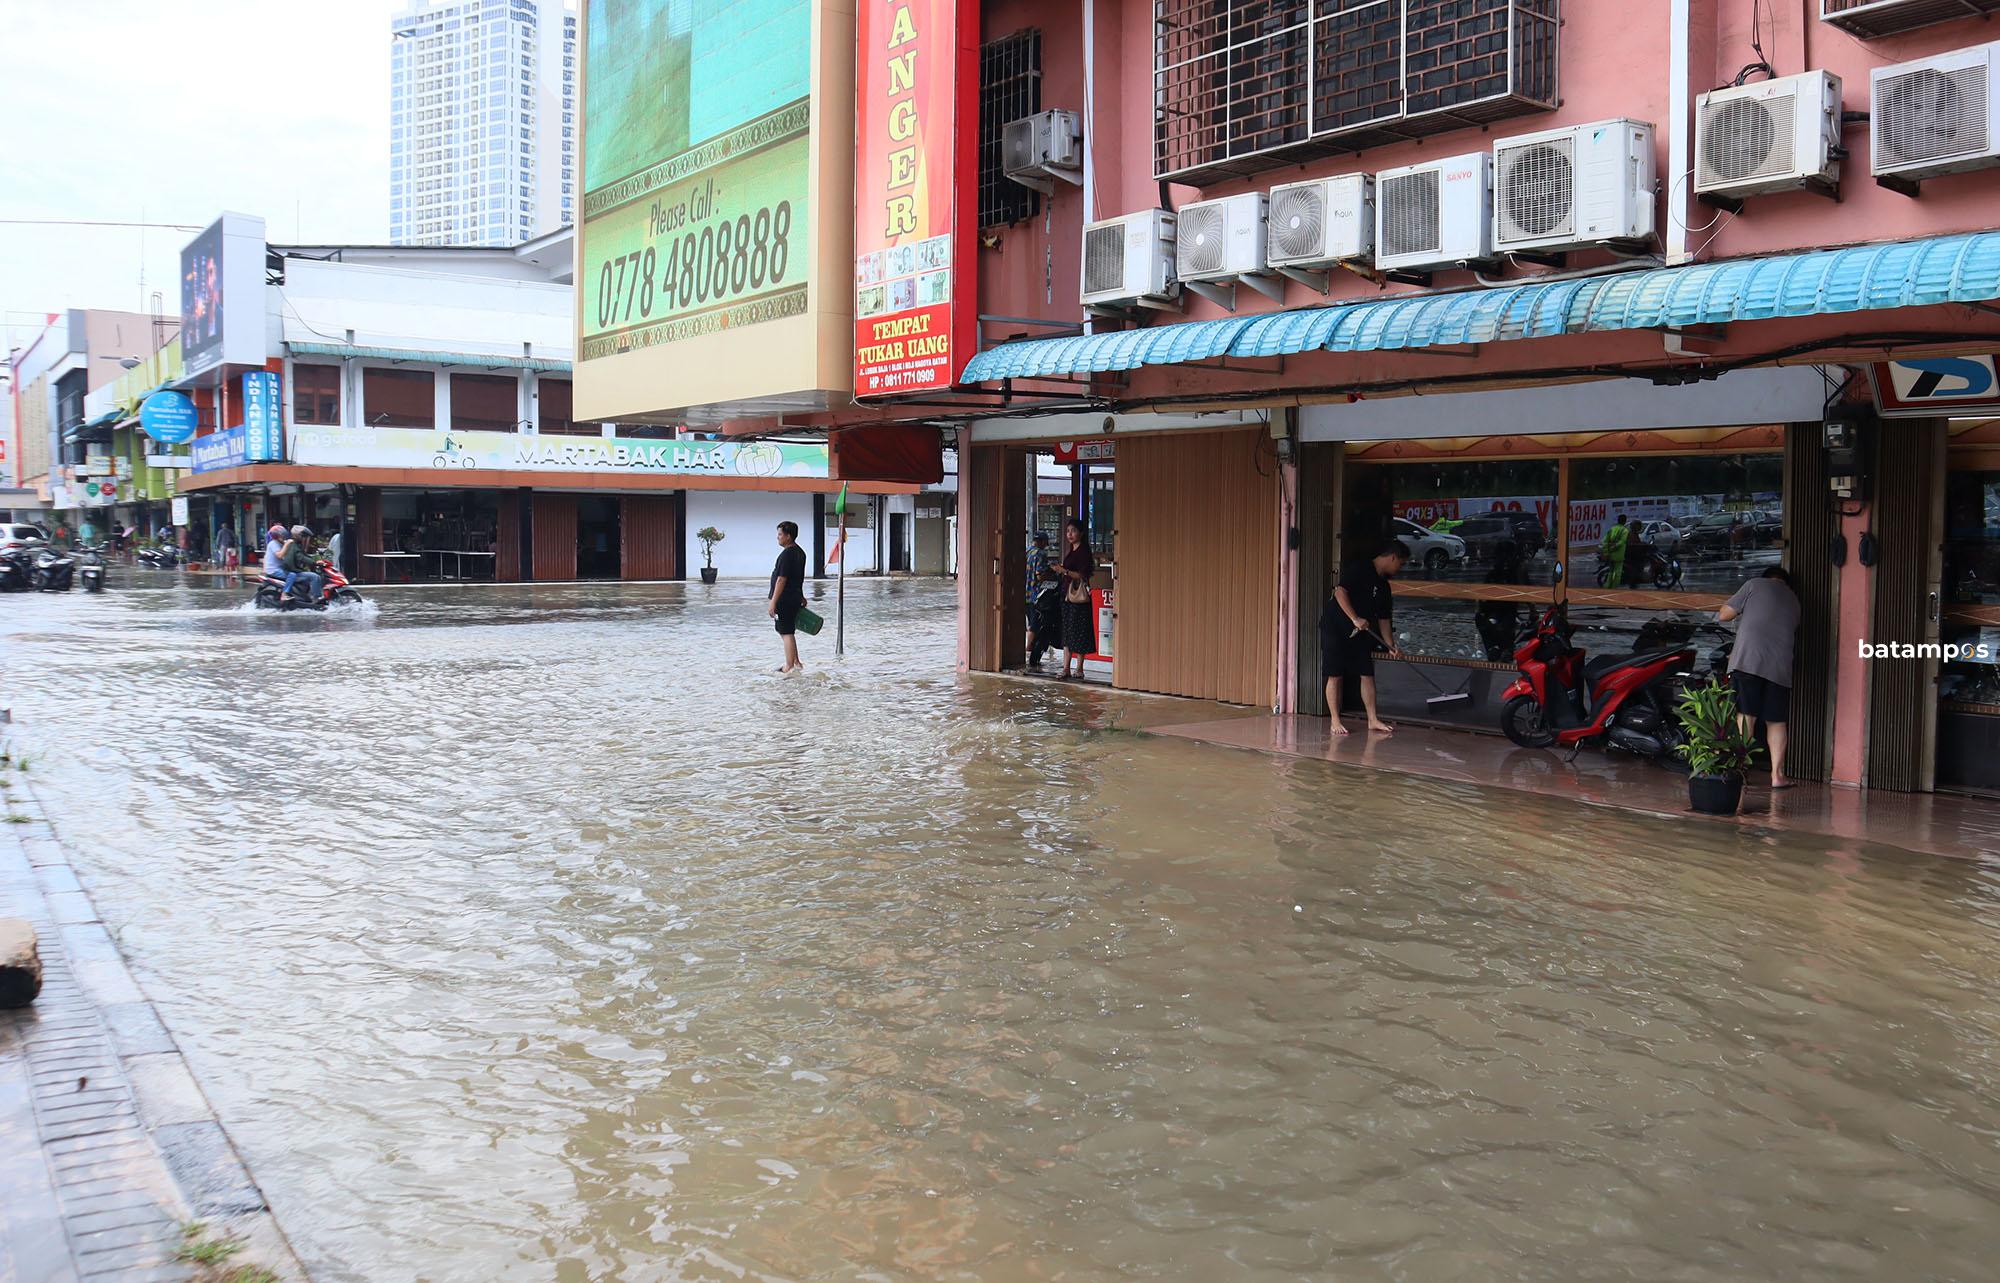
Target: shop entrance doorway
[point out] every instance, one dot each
(598, 537)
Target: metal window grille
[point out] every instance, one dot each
(1010, 87)
(1242, 86)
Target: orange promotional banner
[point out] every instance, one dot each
(916, 74)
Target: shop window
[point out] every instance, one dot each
(316, 394)
(485, 402)
(1471, 523)
(398, 398)
(1693, 523)
(1010, 87)
(1972, 590)
(554, 408)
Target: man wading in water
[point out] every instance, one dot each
(788, 592)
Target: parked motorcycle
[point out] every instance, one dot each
(333, 590)
(51, 571)
(159, 557)
(16, 569)
(90, 566)
(1645, 565)
(1566, 700)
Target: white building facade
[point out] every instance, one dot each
(482, 121)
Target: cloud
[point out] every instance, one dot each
(132, 110)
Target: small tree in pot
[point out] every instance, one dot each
(709, 537)
(1718, 749)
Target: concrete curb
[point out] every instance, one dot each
(109, 1142)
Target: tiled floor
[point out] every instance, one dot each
(1935, 824)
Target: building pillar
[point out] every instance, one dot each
(1850, 671)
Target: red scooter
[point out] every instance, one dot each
(333, 590)
(1564, 700)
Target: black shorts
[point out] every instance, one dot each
(788, 618)
(1347, 656)
(1762, 698)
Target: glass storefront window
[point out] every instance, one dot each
(1475, 523)
(316, 394)
(1972, 538)
(1696, 523)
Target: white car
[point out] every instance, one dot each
(22, 536)
(1428, 548)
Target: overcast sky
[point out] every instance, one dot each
(138, 111)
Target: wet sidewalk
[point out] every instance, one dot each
(1932, 824)
(108, 1147)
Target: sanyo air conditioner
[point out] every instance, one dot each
(1575, 188)
(1435, 215)
(1770, 136)
(1129, 262)
(1935, 116)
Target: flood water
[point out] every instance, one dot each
(545, 934)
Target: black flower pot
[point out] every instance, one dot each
(1715, 794)
(708, 574)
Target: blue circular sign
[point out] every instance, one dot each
(167, 417)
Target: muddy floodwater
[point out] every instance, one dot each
(543, 933)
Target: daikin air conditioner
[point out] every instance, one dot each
(1437, 214)
(1876, 18)
(1937, 115)
(1771, 136)
(1564, 189)
(1321, 222)
(1220, 240)
(1036, 150)
(1129, 260)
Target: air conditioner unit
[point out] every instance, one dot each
(1321, 222)
(1772, 136)
(1129, 261)
(1564, 189)
(1437, 214)
(1937, 115)
(1035, 150)
(1220, 240)
(1875, 18)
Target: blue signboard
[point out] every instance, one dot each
(220, 450)
(167, 417)
(263, 421)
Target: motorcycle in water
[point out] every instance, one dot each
(334, 590)
(1645, 564)
(159, 557)
(1565, 700)
(51, 571)
(90, 567)
(16, 569)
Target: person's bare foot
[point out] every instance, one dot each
(1780, 783)
(1382, 728)
(1338, 728)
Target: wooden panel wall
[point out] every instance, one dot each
(1809, 526)
(1321, 465)
(507, 538)
(1909, 520)
(554, 520)
(1197, 551)
(649, 530)
(982, 487)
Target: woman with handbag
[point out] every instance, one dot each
(1079, 618)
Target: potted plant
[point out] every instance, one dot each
(1717, 747)
(709, 537)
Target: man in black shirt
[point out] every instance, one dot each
(788, 591)
(1355, 625)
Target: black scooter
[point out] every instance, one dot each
(16, 569)
(52, 571)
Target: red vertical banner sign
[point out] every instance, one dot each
(915, 184)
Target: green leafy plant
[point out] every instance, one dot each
(1716, 743)
(200, 1247)
(709, 537)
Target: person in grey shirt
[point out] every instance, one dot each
(1760, 665)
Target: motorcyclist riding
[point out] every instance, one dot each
(298, 564)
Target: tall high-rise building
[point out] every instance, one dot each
(482, 121)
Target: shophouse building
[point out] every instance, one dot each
(1482, 274)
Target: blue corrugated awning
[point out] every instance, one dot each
(541, 364)
(1945, 269)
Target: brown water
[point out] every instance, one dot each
(542, 934)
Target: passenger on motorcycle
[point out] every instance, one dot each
(298, 562)
(274, 552)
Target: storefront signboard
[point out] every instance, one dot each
(915, 72)
(511, 452)
(167, 417)
(263, 423)
(1068, 452)
(222, 296)
(1938, 386)
(178, 510)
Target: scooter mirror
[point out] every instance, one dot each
(1559, 572)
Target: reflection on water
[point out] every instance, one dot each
(543, 933)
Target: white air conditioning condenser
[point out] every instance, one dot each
(1935, 116)
(1772, 136)
(1435, 215)
(1129, 260)
(1574, 188)
(1221, 239)
(1035, 150)
(1321, 222)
